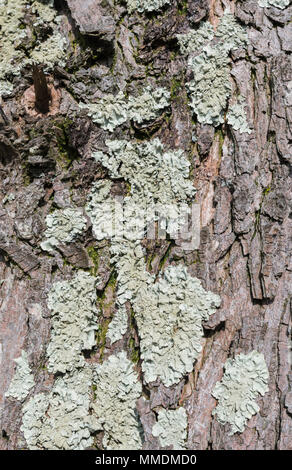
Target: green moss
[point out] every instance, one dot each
(165, 257)
(149, 259)
(94, 388)
(106, 306)
(182, 7)
(101, 337)
(134, 352)
(175, 87)
(113, 281)
(266, 190)
(60, 129)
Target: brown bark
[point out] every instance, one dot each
(243, 185)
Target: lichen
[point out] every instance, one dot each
(231, 34)
(194, 40)
(8, 198)
(100, 209)
(246, 376)
(159, 186)
(145, 5)
(210, 88)
(154, 175)
(171, 428)
(148, 105)
(63, 226)
(117, 389)
(23, 380)
(169, 316)
(112, 111)
(23, 45)
(172, 315)
(131, 267)
(118, 326)
(236, 117)
(74, 322)
(274, 3)
(61, 419)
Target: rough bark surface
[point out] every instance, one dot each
(243, 184)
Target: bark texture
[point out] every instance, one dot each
(243, 184)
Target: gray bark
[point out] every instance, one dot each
(243, 184)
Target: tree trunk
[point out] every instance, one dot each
(243, 186)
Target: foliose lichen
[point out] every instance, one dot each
(153, 173)
(112, 111)
(194, 40)
(23, 379)
(61, 419)
(236, 117)
(169, 316)
(117, 389)
(63, 226)
(246, 376)
(210, 88)
(129, 258)
(17, 49)
(148, 105)
(231, 34)
(118, 326)
(100, 208)
(172, 309)
(171, 428)
(145, 5)
(73, 306)
(274, 3)
(159, 184)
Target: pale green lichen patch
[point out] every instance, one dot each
(11, 57)
(153, 173)
(236, 117)
(23, 45)
(112, 111)
(23, 380)
(169, 316)
(100, 208)
(118, 326)
(171, 428)
(74, 322)
(231, 34)
(210, 88)
(148, 105)
(145, 5)
(169, 313)
(117, 389)
(158, 183)
(194, 40)
(61, 420)
(245, 378)
(63, 226)
(131, 267)
(274, 3)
